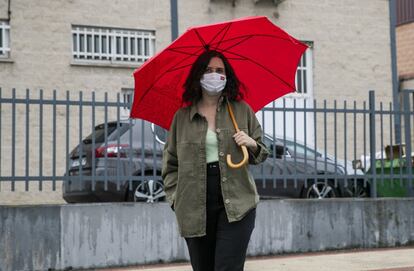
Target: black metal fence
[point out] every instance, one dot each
(91, 150)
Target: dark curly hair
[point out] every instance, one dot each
(192, 93)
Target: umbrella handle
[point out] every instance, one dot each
(244, 149)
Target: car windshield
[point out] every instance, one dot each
(301, 149)
(293, 147)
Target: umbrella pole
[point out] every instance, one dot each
(244, 148)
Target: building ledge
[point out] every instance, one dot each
(406, 77)
(6, 60)
(108, 64)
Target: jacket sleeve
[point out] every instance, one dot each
(170, 164)
(255, 132)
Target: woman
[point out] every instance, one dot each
(214, 204)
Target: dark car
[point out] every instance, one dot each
(294, 170)
(124, 165)
(124, 162)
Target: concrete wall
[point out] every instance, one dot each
(103, 235)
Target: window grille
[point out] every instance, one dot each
(4, 39)
(127, 97)
(304, 73)
(112, 45)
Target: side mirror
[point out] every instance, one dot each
(357, 164)
(159, 133)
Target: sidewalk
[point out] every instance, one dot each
(394, 259)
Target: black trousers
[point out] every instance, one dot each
(224, 246)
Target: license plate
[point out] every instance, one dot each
(77, 162)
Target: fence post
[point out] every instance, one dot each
(372, 142)
(407, 129)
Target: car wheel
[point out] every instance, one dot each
(147, 191)
(359, 191)
(320, 190)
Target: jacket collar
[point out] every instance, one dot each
(193, 107)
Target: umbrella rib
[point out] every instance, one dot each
(263, 67)
(226, 29)
(260, 35)
(188, 56)
(246, 37)
(178, 68)
(241, 41)
(184, 53)
(203, 43)
(169, 70)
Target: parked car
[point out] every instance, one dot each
(298, 171)
(127, 168)
(131, 149)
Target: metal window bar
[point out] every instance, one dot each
(106, 142)
(345, 145)
(335, 140)
(118, 143)
(97, 43)
(80, 154)
(295, 184)
(27, 138)
(1, 110)
(284, 144)
(355, 143)
(382, 143)
(54, 150)
(305, 137)
(93, 171)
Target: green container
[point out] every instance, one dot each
(392, 178)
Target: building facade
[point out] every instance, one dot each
(94, 46)
(349, 58)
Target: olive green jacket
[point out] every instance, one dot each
(184, 165)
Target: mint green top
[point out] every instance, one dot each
(211, 147)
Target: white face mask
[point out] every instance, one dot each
(213, 83)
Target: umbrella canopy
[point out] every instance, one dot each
(263, 56)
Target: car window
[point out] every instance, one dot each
(279, 151)
(100, 133)
(300, 149)
(290, 145)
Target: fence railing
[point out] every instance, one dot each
(92, 151)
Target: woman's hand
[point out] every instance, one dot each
(242, 139)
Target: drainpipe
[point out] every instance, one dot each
(8, 11)
(174, 20)
(395, 83)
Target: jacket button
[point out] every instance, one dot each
(218, 130)
(224, 179)
(227, 201)
(221, 153)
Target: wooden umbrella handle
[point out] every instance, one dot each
(244, 149)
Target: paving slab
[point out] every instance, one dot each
(388, 259)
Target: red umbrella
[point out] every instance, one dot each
(263, 56)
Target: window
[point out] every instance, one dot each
(127, 97)
(4, 39)
(304, 73)
(111, 45)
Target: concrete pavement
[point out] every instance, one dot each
(389, 259)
